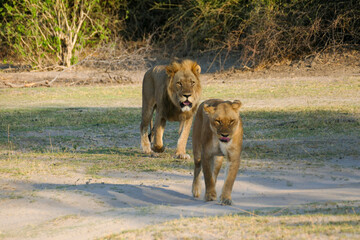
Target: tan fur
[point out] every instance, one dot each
(216, 120)
(169, 90)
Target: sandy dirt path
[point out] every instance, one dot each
(76, 207)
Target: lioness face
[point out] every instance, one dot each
(224, 119)
(184, 88)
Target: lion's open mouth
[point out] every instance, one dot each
(185, 103)
(224, 139)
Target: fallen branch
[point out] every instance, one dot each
(41, 83)
(47, 83)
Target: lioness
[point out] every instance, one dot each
(217, 132)
(174, 91)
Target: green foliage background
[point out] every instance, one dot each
(258, 31)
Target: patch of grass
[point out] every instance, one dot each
(314, 226)
(88, 96)
(72, 118)
(279, 89)
(130, 95)
(93, 163)
(291, 134)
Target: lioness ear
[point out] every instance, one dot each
(236, 105)
(172, 69)
(209, 109)
(196, 69)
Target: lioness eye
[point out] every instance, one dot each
(192, 83)
(218, 122)
(232, 121)
(179, 84)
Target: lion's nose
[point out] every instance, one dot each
(187, 95)
(224, 135)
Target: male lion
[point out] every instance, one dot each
(217, 132)
(174, 91)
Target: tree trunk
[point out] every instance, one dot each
(67, 48)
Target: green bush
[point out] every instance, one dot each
(51, 31)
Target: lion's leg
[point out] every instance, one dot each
(232, 169)
(146, 118)
(182, 141)
(159, 128)
(151, 134)
(210, 192)
(217, 166)
(196, 186)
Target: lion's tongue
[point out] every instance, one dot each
(224, 139)
(186, 103)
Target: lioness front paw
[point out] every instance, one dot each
(158, 149)
(225, 201)
(210, 196)
(182, 156)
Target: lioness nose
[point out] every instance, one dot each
(224, 135)
(187, 95)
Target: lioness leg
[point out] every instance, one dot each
(217, 166)
(232, 170)
(196, 186)
(210, 191)
(159, 128)
(146, 118)
(197, 149)
(181, 144)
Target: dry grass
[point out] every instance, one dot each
(307, 226)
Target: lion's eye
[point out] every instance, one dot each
(192, 83)
(232, 121)
(179, 84)
(218, 122)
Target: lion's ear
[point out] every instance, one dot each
(209, 109)
(196, 69)
(236, 104)
(172, 69)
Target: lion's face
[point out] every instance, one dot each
(184, 87)
(224, 119)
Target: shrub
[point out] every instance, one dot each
(51, 31)
(262, 30)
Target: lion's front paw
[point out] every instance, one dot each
(210, 196)
(146, 147)
(225, 201)
(182, 156)
(158, 149)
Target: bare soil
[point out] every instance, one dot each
(322, 66)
